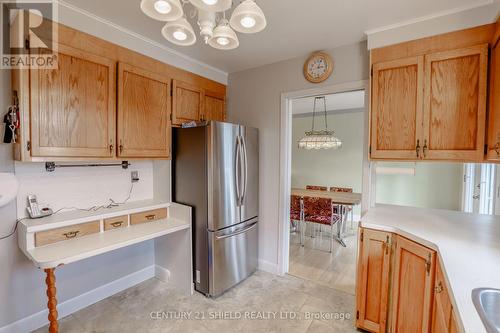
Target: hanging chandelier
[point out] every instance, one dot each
(323, 139)
(215, 29)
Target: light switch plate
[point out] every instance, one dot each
(134, 176)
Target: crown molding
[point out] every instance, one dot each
(429, 17)
(160, 52)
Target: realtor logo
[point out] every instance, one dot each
(29, 34)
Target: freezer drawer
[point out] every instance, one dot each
(233, 255)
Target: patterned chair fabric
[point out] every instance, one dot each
(319, 210)
(295, 207)
(316, 188)
(341, 189)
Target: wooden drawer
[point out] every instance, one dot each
(115, 222)
(65, 233)
(148, 216)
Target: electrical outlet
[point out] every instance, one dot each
(134, 176)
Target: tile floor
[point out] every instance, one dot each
(262, 294)
(313, 262)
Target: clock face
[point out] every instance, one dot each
(318, 67)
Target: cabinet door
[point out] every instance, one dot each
(73, 106)
(372, 288)
(187, 103)
(215, 106)
(442, 305)
(143, 113)
(453, 323)
(494, 103)
(412, 288)
(396, 110)
(455, 104)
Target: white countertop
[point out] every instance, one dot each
(81, 216)
(468, 246)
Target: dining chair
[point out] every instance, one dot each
(320, 211)
(348, 209)
(316, 188)
(297, 214)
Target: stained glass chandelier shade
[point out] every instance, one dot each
(319, 139)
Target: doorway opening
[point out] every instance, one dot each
(306, 249)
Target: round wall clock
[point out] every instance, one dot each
(318, 67)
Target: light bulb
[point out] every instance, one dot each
(180, 35)
(162, 7)
(222, 41)
(248, 22)
(210, 2)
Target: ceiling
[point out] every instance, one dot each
(295, 27)
(352, 101)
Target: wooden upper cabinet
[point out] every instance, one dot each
(396, 110)
(187, 103)
(412, 287)
(494, 103)
(214, 106)
(455, 104)
(372, 290)
(143, 113)
(73, 107)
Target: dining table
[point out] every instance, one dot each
(340, 199)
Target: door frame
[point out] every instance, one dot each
(286, 160)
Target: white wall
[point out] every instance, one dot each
(434, 185)
(254, 100)
(88, 186)
(342, 167)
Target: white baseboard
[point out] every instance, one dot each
(267, 266)
(39, 319)
(162, 274)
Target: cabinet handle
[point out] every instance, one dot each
(497, 147)
(111, 147)
(71, 234)
(425, 148)
(417, 149)
(150, 217)
(117, 224)
(428, 264)
(387, 245)
(439, 288)
(121, 148)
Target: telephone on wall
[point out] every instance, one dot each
(34, 211)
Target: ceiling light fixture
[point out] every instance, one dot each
(179, 32)
(323, 139)
(214, 29)
(212, 5)
(248, 18)
(162, 10)
(224, 37)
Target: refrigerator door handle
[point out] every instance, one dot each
(241, 231)
(237, 162)
(245, 169)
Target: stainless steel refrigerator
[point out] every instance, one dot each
(215, 170)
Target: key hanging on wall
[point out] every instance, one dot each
(11, 121)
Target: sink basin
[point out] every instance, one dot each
(487, 302)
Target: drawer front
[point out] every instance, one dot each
(66, 233)
(115, 222)
(148, 216)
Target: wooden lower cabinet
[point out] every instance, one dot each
(400, 288)
(412, 287)
(373, 280)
